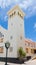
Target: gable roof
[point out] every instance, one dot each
(14, 8)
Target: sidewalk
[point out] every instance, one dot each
(31, 62)
(3, 63)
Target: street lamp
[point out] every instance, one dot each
(7, 45)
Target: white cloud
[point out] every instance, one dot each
(35, 25)
(28, 5)
(5, 18)
(29, 39)
(25, 4)
(6, 3)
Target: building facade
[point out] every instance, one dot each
(3, 39)
(14, 34)
(30, 47)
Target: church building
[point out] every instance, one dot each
(14, 34)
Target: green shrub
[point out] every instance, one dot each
(21, 53)
(24, 54)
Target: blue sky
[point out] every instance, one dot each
(29, 7)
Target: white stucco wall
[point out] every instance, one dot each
(13, 34)
(16, 30)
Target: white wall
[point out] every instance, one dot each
(16, 30)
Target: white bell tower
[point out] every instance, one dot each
(15, 30)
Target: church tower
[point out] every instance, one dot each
(15, 30)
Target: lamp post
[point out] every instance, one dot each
(7, 45)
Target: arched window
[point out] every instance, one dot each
(14, 12)
(10, 16)
(18, 13)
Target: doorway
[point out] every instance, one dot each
(34, 51)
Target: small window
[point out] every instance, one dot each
(3, 35)
(20, 24)
(21, 16)
(28, 44)
(11, 48)
(14, 12)
(26, 50)
(31, 45)
(1, 40)
(25, 44)
(10, 16)
(34, 45)
(1, 49)
(18, 13)
(11, 37)
(11, 23)
(31, 50)
(21, 37)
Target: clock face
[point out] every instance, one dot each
(7, 45)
